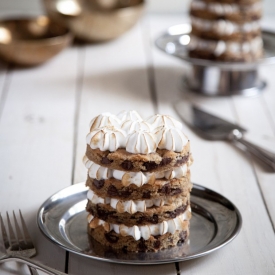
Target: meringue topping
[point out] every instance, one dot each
(106, 138)
(130, 126)
(128, 130)
(144, 231)
(171, 139)
(163, 120)
(141, 142)
(104, 119)
(129, 115)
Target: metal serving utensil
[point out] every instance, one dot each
(214, 128)
(17, 246)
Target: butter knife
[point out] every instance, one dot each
(212, 127)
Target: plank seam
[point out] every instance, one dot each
(6, 85)
(78, 94)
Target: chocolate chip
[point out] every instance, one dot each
(125, 194)
(146, 195)
(150, 165)
(105, 160)
(176, 212)
(182, 160)
(175, 191)
(142, 246)
(102, 214)
(165, 161)
(111, 237)
(127, 165)
(98, 183)
(141, 220)
(182, 236)
(165, 189)
(112, 191)
(124, 249)
(154, 219)
(157, 244)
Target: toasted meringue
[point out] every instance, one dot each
(87, 162)
(106, 138)
(145, 232)
(141, 142)
(163, 120)
(129, 206)
(130, 126)
(99, 172)
(104, 119)
(170, 138)
(177, 172)
(129, 115)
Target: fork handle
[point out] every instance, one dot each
(34, 264)
(265, 156)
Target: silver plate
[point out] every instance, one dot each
(215, 222)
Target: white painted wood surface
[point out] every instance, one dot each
(44, 119)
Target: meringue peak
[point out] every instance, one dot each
(129, 115)
(106, 138)
(163, 120)
(104, 119)
(141, 142)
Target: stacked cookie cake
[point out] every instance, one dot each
(226, 30)
(139, 182)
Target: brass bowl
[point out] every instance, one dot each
(32, 41)
(95, 20)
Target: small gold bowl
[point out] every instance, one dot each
(32, 41)
(95, 20)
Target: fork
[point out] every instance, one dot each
(20, 247)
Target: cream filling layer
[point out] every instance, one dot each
(220, 47)
(130, 206)
(225, 8)
(224, 27)
(144, 231)
(138, 178)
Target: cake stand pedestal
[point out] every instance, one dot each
(217, 78)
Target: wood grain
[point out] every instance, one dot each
(36, 137)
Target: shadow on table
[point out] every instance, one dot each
(136, 82)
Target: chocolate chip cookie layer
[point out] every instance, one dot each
(160, 189)
(140, 239)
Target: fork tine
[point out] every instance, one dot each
(4, 234)
(20, 237)
(27, 236)
(13, 239)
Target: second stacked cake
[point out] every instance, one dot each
(139, 182)
(226, 30)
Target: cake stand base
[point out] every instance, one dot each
(214, 81)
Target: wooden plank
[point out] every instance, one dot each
(36, 137)
(115, 79)
(223, 168)
(4, 80)
(257, 115)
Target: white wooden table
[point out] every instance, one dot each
(44, 117)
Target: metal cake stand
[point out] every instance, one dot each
(217, 78)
